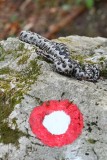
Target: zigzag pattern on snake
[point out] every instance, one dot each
(59, 55)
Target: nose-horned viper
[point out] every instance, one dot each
(59, 55)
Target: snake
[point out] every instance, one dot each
(59, 55)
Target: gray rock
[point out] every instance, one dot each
(27, 80)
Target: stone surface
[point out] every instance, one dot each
(27, 80)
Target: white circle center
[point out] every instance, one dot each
(57, 122)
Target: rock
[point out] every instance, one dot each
(27, 80)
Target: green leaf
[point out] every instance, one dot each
(89, 3)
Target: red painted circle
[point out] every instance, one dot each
(74, 128)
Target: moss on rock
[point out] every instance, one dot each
(9, 135)
(13, 85)
(23, 59)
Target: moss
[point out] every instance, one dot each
(9, 97)
(64, 40)
(4, 84)
(21, 46)
(30, 74)
(15, 53)
(5, 70)
(104, 73)
(23, 59)
(81, 59)
(1, 49)
(8, 100)
(102, 58)
(9, 135)
(14, 122)
(23, 80)
(92, 141)
(2, 53)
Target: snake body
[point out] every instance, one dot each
(59, 55)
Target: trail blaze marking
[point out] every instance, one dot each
(56, 123)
